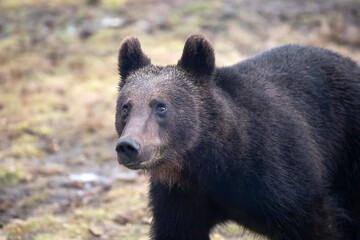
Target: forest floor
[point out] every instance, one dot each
(59, 177)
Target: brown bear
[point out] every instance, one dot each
(272, 142)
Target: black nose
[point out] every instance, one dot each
(127, 147)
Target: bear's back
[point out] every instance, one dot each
(316, 82)
(299, 70)
(303, 86)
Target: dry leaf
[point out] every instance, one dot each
(96, 230)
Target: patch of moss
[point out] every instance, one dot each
(24, 146)
(9, 177)
(21, 126)
(55, 236)
(25, 227)
(200, 7)
(10, 102)
(34, 199)
(18, 4)
(43, 130)
(11, 173)
(113, 4)
(134, 232)
(46, 227)
(123, 197)
(104, 156)
(91, 214)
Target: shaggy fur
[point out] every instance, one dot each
(272, 143)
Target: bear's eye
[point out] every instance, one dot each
(161, 109)
(125, 110)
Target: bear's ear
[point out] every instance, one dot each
(198, 58)
(131, 57)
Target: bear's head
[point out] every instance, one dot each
(158, 110)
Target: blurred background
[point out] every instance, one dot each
(59, 178)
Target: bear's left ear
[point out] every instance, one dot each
(198, 58)
(131, 57)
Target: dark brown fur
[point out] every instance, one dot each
(272, 143)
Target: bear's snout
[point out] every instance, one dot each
(127, 149)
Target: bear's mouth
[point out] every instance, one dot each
(132, 165)
(140, 162)
(151, 163)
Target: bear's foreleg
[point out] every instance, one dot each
(178, 215)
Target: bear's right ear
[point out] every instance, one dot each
(198, 58)
(131, 57)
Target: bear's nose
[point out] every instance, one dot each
(128, 147)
